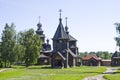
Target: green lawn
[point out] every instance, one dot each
(46, 73)
(115, 76)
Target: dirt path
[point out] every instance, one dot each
(100, 77)
(111, 70)
(2, 70)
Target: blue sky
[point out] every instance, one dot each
(91, 22)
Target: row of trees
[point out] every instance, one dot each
(21, 47)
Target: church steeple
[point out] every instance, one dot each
(66, 27)
(47, 41)
(60, 19)
(40, 31)
(60, 32)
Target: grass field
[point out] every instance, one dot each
(115, 76)
(46, 73)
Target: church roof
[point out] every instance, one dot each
(71, 38)
(39, 26)
(60, 32)
(39, 30)
(116, 54)
(43, 56)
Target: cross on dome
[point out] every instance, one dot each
(60, 12)
(66, 20)
(39, 19)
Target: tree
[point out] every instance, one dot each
(7, 45)
(106, 55)
(19, 48)
(0, 56)
(118, 31)
(32, 45)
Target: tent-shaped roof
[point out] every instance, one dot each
(116, 54)
(60, 32)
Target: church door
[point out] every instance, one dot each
(58, 63)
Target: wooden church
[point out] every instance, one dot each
(45, 53)
(65, 51)
(115, 59)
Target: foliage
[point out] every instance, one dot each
(19, 48)
(1, 60)
(20, 51)
(0, 56)
(32, 45)
(118, 37)
(46, 73)
(7, 45)
(118, 31)
(23, 47)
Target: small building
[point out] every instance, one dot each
(43, 60)
(45, 53)
(65, 51)
(91, 60)
(115, 59)
(106, 62)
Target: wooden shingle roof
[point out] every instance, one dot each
(60, 32)
(88, 57)
(116, 54)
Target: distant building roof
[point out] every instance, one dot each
(106, 60)
(91, 56)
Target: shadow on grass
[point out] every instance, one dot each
(39, 67)
(44, 67)
(117, 73)
(89, 72)
(18, 67)
(34, 67)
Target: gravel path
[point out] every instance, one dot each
(2, 70)
(111, 70)
(100, 77)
